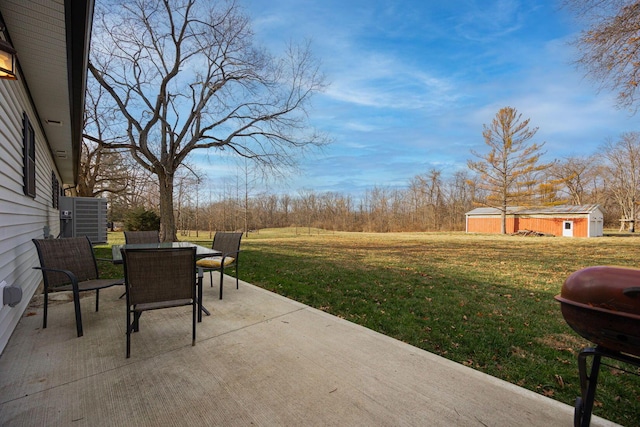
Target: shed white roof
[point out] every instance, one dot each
(546, 210)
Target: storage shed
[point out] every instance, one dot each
(563, 220)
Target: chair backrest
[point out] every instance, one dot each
(69, 253)
(227, 243)
(158, 275)
(131, 237)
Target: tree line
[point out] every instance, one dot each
(432, 201)
(429, 203)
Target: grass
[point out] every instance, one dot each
(485, 301)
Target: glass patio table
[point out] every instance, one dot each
(201, 252)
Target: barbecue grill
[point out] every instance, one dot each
(602, 304)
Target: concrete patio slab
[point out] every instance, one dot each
(260, 359)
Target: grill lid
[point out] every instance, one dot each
(609, 288)
(602, 304)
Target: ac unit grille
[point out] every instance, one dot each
(88, 218)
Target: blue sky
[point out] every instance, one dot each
(413, 82)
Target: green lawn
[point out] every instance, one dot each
(485, 301)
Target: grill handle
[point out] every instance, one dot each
(632, 292)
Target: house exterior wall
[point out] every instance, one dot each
(21, 217)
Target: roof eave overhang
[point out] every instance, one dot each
(52, 40)
(79, 18)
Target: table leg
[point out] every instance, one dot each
(201, 308)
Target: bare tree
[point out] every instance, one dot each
(285, 207)
(623, 174)
(186, 75)
(460, 196)
(246, 181)
(505, 172)
(426, 197)
(187, 185)
(576, 175)
(101, 170)
(610, 46)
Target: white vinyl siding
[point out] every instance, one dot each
(22, 218)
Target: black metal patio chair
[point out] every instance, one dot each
(157, 279)
(69, 264)
(229, 245)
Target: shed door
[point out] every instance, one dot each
(567, 229)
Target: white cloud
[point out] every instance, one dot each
(485, 21)
(382, 81)
(360, 127)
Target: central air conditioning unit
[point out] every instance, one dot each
(84, 216)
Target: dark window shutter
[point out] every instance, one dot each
(29, 141)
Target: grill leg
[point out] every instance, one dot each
(588, 383)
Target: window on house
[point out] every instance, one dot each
(29, 143)
(55, 191)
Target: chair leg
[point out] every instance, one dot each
(97, 299)
(199, 299)
(211, 278)
(136, 321)
(46, 307)
(76, 305)
(129, 325)
(237, 277)
(196, 307)
(221, 280)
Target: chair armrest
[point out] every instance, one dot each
(57, 270)
(72, 277)
(230, 254)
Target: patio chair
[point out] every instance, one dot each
(229, 245)
(69, 264)
(157, 279)
(131, 237)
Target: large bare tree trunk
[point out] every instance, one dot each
(167, 218)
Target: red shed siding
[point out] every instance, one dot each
(544, 225)
(488, 225)
(554, 225)
(580, 227)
